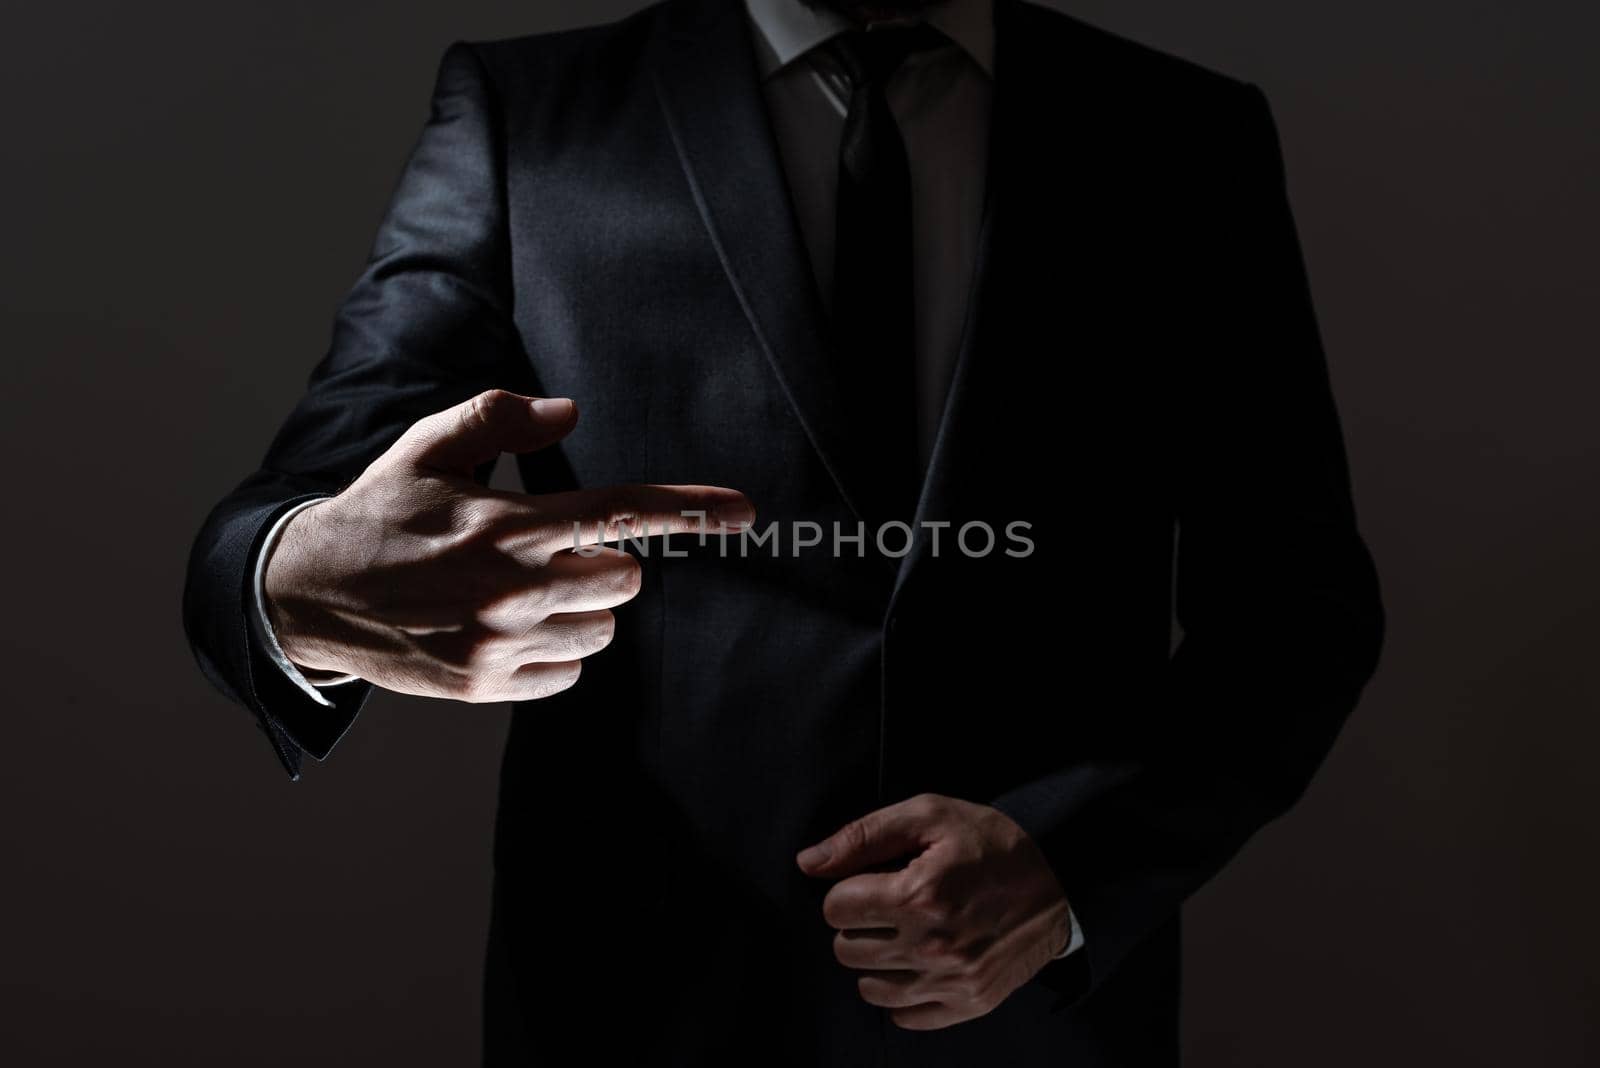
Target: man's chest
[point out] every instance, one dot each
(663, 280)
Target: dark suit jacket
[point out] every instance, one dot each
(601, 214)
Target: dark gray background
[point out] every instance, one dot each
(190, 188)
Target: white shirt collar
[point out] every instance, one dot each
(792, 28)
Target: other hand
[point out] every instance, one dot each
(973, 913)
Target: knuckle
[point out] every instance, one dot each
(572, 642)
(931, 909)
(478, 649)
(620, 514)
(484, 517)
(479, 411)
(489, 615)
(940, 950)
(474, 686)
(971, 987)
(989, 992)
(460, 653)
(536, 602)
(492, 614)
(925, 900)
(857, 833)
(518, 610)
(962, 989)
(949, 958)
(983, 997)
(422, 429)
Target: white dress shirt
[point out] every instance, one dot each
(940, 99)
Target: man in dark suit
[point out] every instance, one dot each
(1001, 325)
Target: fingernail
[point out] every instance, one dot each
(811, 856)
(551, 407)
(734, 513)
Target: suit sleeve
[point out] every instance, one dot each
(1275, 592)
(426, 324)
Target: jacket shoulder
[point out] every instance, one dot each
(612, 47)
(1135, 70)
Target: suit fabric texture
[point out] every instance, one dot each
(601, 214)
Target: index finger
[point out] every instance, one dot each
(576, 518)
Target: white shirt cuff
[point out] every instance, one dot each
(1075, 942)
(263, 627)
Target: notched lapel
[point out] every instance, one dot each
(711, 95)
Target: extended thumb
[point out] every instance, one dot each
(482, 427)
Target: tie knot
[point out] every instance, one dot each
(871, 56)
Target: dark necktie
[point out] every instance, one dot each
(873, 315)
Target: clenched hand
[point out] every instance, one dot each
(971, 916)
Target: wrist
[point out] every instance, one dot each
(285, 584)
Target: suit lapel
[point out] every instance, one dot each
(712, 97)
(1020, 108)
